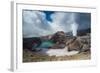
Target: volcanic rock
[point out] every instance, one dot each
(59, 39)
(74, 44)
(31, 43)
(79, 43)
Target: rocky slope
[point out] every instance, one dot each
(81, 43)
(60, 40)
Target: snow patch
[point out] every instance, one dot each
(59, 52)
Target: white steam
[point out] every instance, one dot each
(74, 27)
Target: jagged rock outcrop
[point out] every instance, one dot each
(79, 43)
(59, 39)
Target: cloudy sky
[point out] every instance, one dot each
(41, 23)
